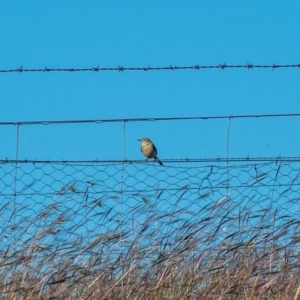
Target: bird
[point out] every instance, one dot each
(149, 149)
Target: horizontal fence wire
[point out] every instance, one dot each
(198, 67)
(147, 119)
(198, 217)
(220, 160)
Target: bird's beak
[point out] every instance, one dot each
(138, 139)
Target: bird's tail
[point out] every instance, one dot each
(159, 161)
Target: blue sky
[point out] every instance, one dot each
(66, 34)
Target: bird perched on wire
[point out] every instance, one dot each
(149, 149)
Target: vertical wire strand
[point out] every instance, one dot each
(16, 176)
(272, 225)
(227, 180)
(227, 151)
(121, 208)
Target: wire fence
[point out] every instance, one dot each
(65, 221)
(195, 228)
(198, 67)
(147, 119)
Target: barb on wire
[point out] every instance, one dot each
(222, 66)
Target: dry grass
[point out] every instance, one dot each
(187, 262)
(198, 248)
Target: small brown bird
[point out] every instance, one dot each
(149, 149)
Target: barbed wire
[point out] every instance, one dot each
(146, 119)
(198, 67)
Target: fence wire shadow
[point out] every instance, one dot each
(119, 231)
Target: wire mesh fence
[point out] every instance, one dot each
(128, 224)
